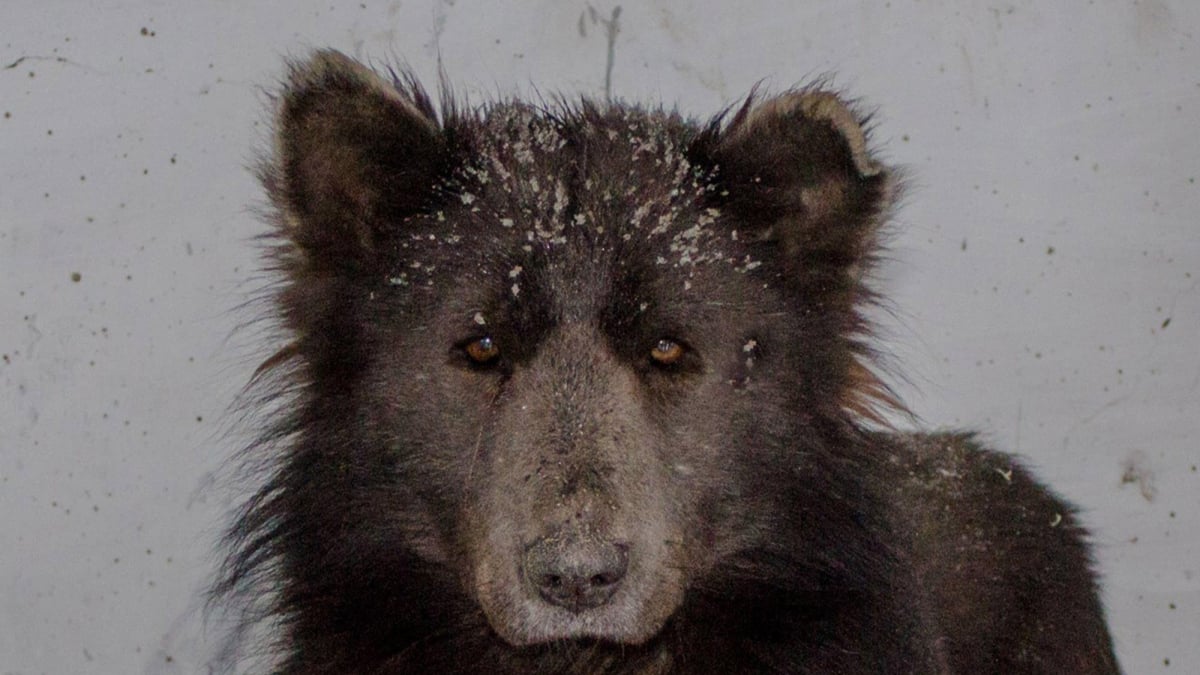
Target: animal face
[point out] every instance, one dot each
(545, 354)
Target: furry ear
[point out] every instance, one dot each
(354, 154)
(796, 169)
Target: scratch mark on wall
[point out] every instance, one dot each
(53, 59)
(1091, 418)
(439, 27)
(35, 336)
(1137, 469)
(612, 27)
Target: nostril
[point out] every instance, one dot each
(575, 573)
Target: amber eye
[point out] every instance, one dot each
(666, 352)
(482, 351)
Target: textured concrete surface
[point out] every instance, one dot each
(1045, 271)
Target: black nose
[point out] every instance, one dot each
(575, 573)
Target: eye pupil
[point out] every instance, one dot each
(483, 350)
(666, 352)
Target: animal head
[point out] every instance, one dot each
(541, 352)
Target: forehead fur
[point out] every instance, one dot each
(584, 182)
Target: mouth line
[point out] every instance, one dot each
(582, 642)
(586, 629)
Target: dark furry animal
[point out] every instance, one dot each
(579, 388)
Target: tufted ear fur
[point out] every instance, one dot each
(796, 174)
(796, 169)
(354, 155)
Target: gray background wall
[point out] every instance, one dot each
(1046, 273)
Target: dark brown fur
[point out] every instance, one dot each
(582, 388)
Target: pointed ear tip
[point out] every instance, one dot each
(323, 66)
(810, 102)
(843, 115)
(329, 71)
(329, 58)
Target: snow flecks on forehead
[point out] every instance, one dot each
(697, 244)
(664, 194)
(516, 149)
(539, 179)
